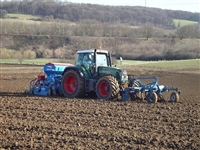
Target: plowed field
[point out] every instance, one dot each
(34, 122)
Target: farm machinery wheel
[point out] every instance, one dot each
(174, 97)
(133, 96)
(59, 92)
(107, 88)
(152, 98)
(137, 95)
(161, 98)
(72, 84)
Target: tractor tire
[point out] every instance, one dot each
(59, 92)
(107, 87)
(174, 97)
(153, 98)
(72, 85)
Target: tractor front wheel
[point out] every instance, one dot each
(72, 84)
(107, 87)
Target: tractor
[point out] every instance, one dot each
(93, 74)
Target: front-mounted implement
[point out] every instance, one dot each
(150, 91)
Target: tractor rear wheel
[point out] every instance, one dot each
(174, 97)
(72, 84)
(107, 87)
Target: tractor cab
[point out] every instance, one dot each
(90, 60)
(97, 63)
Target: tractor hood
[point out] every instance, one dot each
(119, 74)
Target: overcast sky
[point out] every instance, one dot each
(186, 5)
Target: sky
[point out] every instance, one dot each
(185, 5)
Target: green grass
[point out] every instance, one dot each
(43, 61)
(10, 20)
(23, 16)
(189, 66)
(36, 61)
(181, 66)
(176, 64)
(182, 23)
(131, 62)
(192, 65)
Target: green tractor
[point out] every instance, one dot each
(93, 73)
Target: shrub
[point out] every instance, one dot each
(156, 50)
(29, 54)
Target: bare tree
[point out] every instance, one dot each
(147, 31)
(20, 56)
(191, 31)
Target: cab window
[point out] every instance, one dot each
(101, 60)
(85, 58)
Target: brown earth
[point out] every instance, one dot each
(34, 122)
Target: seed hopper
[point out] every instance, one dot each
(49, 80)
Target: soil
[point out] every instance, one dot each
(35, 122)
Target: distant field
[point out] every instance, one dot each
(24, 21)
(176, 64)
(23, 16)
(37, 61)
(165, 64)
(186, 66)
(191, 64)
(182, 23)
(43, 61)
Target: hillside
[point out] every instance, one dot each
(50, 29)
(110, 14)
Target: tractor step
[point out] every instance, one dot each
(90, 85)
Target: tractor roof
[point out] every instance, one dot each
(91, 51)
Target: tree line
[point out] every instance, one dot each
(92, 28)
(156, 49)
(132, 15)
